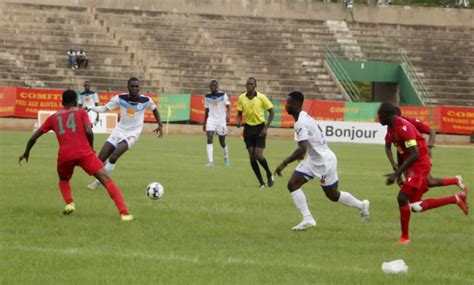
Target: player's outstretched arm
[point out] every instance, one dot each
(158, 130)
(99, 109)
(298, 153)
(31, 142)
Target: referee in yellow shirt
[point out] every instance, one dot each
(253, 104)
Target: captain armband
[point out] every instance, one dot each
(410, 143)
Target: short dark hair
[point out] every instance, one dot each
(387, 108)
(297, 96)
(132, 79)
(69, 96)
(254, 79)
(215, 81)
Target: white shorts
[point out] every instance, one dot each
(219, 127)
(117, 137)
(327, 173)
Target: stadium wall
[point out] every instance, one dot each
(28, 125)
(405, 15)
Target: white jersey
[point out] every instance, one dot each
(88, 99)
(216, 103)
(306, 128)
(132, 113)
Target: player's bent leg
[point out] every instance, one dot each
(436, 182)
(255, 167)
(105, 152)
(65, 171)
(299, 199)
(114, 193)
(210, 148)
(404, 207)
(210, 137)
(461, 184)
(66, 192)
(331, 192)
(121, 148)
(263, 162)
(346, 198)
(225, 150)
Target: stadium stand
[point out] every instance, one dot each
(34, 42)
(180, 52)
(442, 56)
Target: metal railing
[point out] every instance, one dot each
(341, 75)
(417, 83)
(415, 79)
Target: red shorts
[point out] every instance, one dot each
(415, 180)
(89, 162)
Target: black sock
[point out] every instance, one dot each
(263, 162)
(256, 170)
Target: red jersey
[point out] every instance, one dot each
(403, 134)
(68, 124)
(419, 125)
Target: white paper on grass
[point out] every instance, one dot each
(394, 267)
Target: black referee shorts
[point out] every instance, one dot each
(252, 136)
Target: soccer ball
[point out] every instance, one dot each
(155, 191)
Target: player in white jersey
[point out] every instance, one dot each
(321, 162)
(215, 121)
(89, 99)
(132, 113)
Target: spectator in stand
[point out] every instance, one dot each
(464, 3)
(81, 59)
(72, 59)
(349, 9)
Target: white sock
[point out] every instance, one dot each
(347, 199)
(226, 151)
(109, 167)
(300, 201)
(210, 150)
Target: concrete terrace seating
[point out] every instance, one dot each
(443, 57)
(186, 51)
(181, 52)
(35, 39)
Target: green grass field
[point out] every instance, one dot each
(215, 226)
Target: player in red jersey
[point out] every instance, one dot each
(416, 166)
(424, 129)
(75, 137)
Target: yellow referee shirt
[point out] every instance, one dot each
(254, 108)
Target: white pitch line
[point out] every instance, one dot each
(171, 257)
(196, 260)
